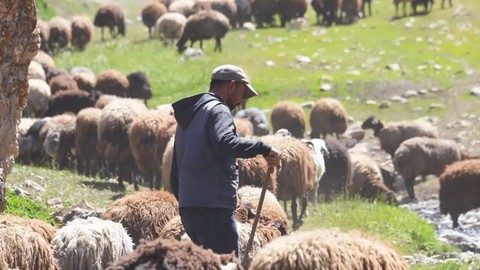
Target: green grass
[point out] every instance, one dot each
(24, 207)
(45, 12)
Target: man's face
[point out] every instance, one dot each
(236, 94)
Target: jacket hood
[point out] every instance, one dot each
(185, 109)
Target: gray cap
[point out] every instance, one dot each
(234, 73)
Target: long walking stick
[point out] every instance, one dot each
(270, 172)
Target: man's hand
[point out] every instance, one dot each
(274, 159)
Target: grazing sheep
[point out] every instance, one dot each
(330, 11)
(404, 2)
(46, 230)
(352, 9)
(391, 135)
(318, 7)
(264, 10)
(184, 7)
(150, 14)
(31, 146)
(328, 116)
(367, 179)
(113, 143)
(86, 141)
(162, 145)
(291, 9)
(288, 115)
(45, 60)
(459, 188)
(35, 71)
(174, 254)
(422, 156)
(244, 13)
(23, 248)
(82, 31)
(243, 127)
(60, 33)
(62, 83)
(112, 82)
(142, 136)
(59, 141)
(327, 249)
(143, 214)
(170, 26)
(204, 25)
(139, 86)
(85, 81)
(44, 29)
(449, 1)
(226, 7)
(90, 244)
(110, 15)
(318, 150)
(70, 101)
(257, 118)
(369, 2)
(338, 172)
(52, 73)
(420, 2)
(296, 178)
(104, 100)
(37, 98)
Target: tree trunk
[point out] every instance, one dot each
(19, 43)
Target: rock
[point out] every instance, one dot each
(81, 210)
(326, 87)
(303, 59)
(423, 91)
(55, 202)
(270, 63)
(385, 105)
(461, 240)
(393, 67)
(249, 26)
(399, 99)
(475, 91)
(194, 53)
(410, 93)
(371, 102)
(21, 192)
(34, 185)
(436, 106)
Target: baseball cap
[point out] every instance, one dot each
(234, 73)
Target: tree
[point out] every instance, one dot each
(19, 43)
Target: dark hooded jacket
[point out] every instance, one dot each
(204, 166)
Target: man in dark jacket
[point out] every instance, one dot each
(204, 175)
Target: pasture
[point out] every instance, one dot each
(371, 66)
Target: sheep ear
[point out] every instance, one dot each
(375, 121)
(251, 213)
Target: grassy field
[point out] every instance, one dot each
(434, 51)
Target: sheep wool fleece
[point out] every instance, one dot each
(204, 165)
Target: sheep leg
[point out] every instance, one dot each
(409, 182)
(454, 217)
(404, 8)
(285, 207)
(303, 210)
(112, 32)
(101, 31)
(369, 9)
(80, 167)
(294, 213)
(158, 181)
(218, 44)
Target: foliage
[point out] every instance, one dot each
(22, 206)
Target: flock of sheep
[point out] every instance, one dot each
(117, 136)
(198, 20)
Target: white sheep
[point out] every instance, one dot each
(170, 26)
(90, 244)
(36, 71)
(422, 156)
(327, 249)
(318, 147)
(391, 135)
(184, 7)
(37, 99)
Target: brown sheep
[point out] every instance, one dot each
(110, 15)
(288, 115)
(44, 29)
(142, 136)
(404, 2)
(291, 9)
(143, 214)
(113, 144)
(367, 179)
(422, 156)
(174, 254)
(46, 230)
(328, 116)
(243, 127)
(85, 81)
(226, 7)
(352, 9)
(391, 135)
(82, 31)
(58, 137)
(459, 189)
(86, 141)
(103, 100)
(330, 11)
(61, 83)
(60, 33)
(70, 101)
(150, 13)
(45, 60)
(113, 82)
(449, 1)
(264, 10)
(327, 249)
(295, 179)
(204, 25)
